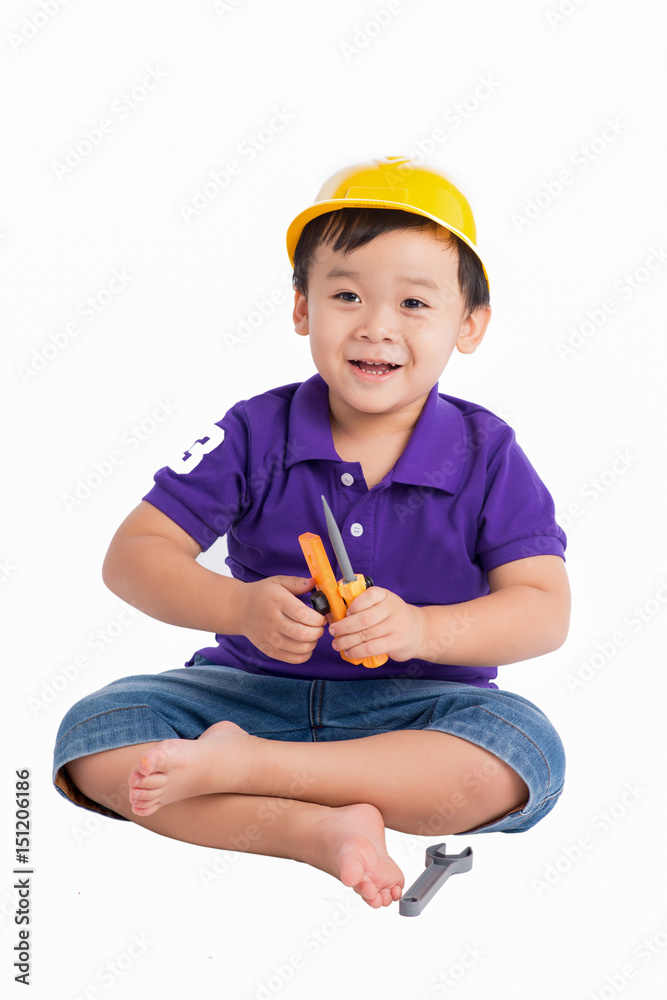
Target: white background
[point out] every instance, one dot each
(506, 97)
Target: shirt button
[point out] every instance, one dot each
(346, 479)
(357, 530)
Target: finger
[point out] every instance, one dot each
(297, 611)
(362, 621)
(286, 644)
(285, 648)
(303, 615)
(362, 650)
(362, 638)
(289, 602)
(301, 632)
(296, 584)
(286, 657)
(367, 599)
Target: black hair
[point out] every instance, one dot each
(349, 228)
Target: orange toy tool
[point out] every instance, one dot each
(333, 598)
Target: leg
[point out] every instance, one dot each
(408, 775)
(414, 777)
(346, 842)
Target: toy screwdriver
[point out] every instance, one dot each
(333, 598)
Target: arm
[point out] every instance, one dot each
(152, 564)
(526, 614)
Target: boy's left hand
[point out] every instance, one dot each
(379, 621)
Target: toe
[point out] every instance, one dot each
(163, 757)
(141, 810)
(149, 763)
(141, 795)
(150, 781)
(142, 803)
(368, 890)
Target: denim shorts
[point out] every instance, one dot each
(183, 703)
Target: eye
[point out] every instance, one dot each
(413, 303)
(353, 295)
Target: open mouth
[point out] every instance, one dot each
(375, 368)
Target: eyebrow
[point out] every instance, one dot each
(340, 272)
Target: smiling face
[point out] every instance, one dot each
(383, 321)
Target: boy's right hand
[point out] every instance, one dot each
(276, 622)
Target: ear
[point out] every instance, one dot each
(473, 329)
(300, 314)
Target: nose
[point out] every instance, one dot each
(377, 324)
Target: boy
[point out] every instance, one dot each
(270, 741)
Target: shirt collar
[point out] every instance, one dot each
(434, 454)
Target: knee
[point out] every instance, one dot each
(84, 773)
(101, 778)
(494, 790)
(508, 786)
(485, 791)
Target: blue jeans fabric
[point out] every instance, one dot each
(183, 703)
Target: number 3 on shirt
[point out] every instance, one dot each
(194, 454)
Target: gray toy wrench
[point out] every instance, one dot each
(439, 866)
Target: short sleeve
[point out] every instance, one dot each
(205, 488)
(518, 518)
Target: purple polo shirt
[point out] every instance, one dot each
(461, 500)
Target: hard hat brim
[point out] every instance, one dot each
(298, 224)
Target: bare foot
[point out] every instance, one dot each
(178, 769)
(349, 843)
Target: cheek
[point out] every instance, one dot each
(321, 355)
(444, 345)
(435, 348)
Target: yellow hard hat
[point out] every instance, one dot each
(392, 182)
